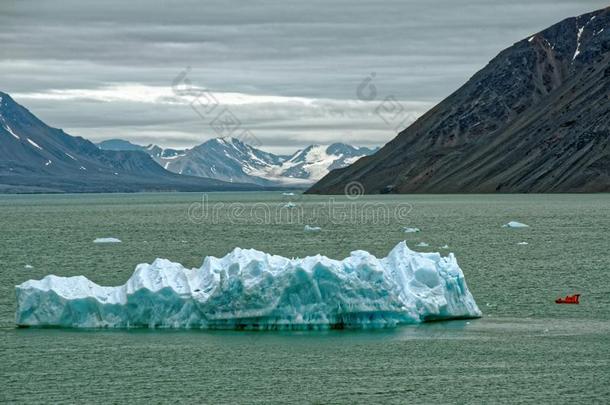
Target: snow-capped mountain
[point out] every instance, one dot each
(153, 150)
(229, 159)
(37, 158)
(316, 161)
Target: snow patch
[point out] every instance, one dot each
(249, 289)
(10, 131)
(34, 144)
(577, 52)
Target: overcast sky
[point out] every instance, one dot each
(291, 72)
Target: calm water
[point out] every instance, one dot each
(524, 349)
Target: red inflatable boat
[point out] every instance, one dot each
(570, 299)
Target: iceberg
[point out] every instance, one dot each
(107, 240)
(515, 224)
(249, 289)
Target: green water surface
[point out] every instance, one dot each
(524, 349)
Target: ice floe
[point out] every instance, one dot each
(107, 240)
(312, 229)
(407, 229)
(515, 224)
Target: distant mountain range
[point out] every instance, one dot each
(37, 158)
(229, 159)
(535, 119)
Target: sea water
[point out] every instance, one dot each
(525, 348)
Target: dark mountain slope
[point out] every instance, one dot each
(35, 157)
(535, 119)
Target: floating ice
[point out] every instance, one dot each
(107, 240)
(422, 244)
(288, 194)
(312, 228)
(407, 229)
(515, 224)
(522, 243)
(445, 247)
(290, 205)
(28, 266)
(254, 290)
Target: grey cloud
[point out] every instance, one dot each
(419, 50)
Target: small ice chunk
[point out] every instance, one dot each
(408, 229)
(312, 228)
(515, 224)
(290, 205)
(444, 247)
(522, 243)
(422, 244)
(107, 240)
(288, 194)
(28, 266)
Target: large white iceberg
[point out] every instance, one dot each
(248, 289)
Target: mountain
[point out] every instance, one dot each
(156, 152)
(316, 161)
(535, 119)
(37, 158)
(229, 159)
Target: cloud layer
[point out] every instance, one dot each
(288, 71)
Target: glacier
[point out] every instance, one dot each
(249, 289)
